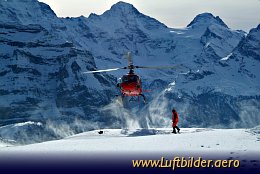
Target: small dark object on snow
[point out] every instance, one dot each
(100, 132)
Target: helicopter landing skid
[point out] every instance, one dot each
(134, 99)
(144, 99)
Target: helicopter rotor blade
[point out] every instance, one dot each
(104, 70)
(159, 67)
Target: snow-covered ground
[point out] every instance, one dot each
(239, 141)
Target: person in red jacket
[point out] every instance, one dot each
(175, 120)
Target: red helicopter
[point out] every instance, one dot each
(130, 84)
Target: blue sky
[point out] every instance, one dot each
(237, 14)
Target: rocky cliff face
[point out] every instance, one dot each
(43, 58)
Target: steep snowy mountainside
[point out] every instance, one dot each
(123, 28)
(202, 21)
(247, 57)
(41, 77)
(216, 36)
(232, 90)
(125, 15)
(220, 74)
(27, 12)
(250, 45)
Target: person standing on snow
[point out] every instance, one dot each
(175, 120)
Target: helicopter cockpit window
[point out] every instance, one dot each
(124, 79)
(132, 78)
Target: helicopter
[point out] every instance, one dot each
(130, 85)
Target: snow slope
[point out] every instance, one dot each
(237, 141)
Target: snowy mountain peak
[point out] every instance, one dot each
(250, 45)
(257, 29)
(206, 19)
(124, 16)
(123, 7)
